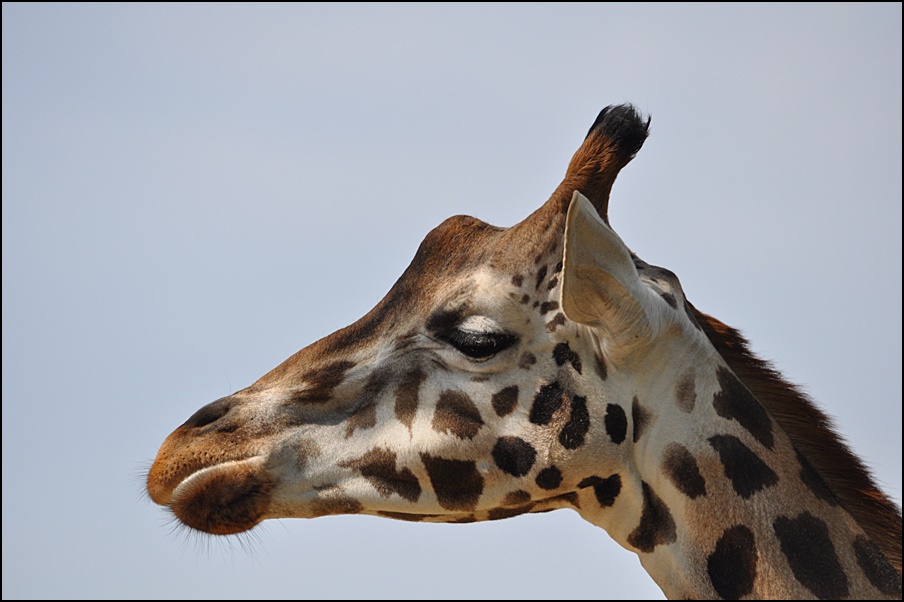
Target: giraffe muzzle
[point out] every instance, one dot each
(224, 499)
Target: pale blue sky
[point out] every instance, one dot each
(191, 193)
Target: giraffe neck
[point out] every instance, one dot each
(716, 500)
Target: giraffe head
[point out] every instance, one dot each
(463, 395)
(545, 366)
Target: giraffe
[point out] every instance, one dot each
(546, 366)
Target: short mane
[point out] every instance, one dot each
(814, 436)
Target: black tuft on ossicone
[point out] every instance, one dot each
(624, 127)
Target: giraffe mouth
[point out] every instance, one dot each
(224, 499)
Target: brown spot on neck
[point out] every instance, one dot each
(641, 417)
(686, 393)
(558, 320)
(812, 433)
(657, 527)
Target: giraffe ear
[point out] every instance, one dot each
(600, 285)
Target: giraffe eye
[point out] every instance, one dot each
(479, 345)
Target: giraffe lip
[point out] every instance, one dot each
(168, 474)
(200, 474)
(223, 499)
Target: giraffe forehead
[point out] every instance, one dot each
(464, 269)
(462, 262)
(490, 292)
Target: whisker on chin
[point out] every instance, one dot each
(199, 544)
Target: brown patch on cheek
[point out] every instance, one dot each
(364, 418)
(504, 401)
(518, 497)
(457, 483)
(294, 455)
(366, 415)
(379, 467)
(455, 413)
(341, 504)
(407, 397)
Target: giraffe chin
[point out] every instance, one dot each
(224, 499)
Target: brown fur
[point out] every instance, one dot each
(813, 434)
(613, 140)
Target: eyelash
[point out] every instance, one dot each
(479, 345)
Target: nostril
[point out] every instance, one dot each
(209, 413)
